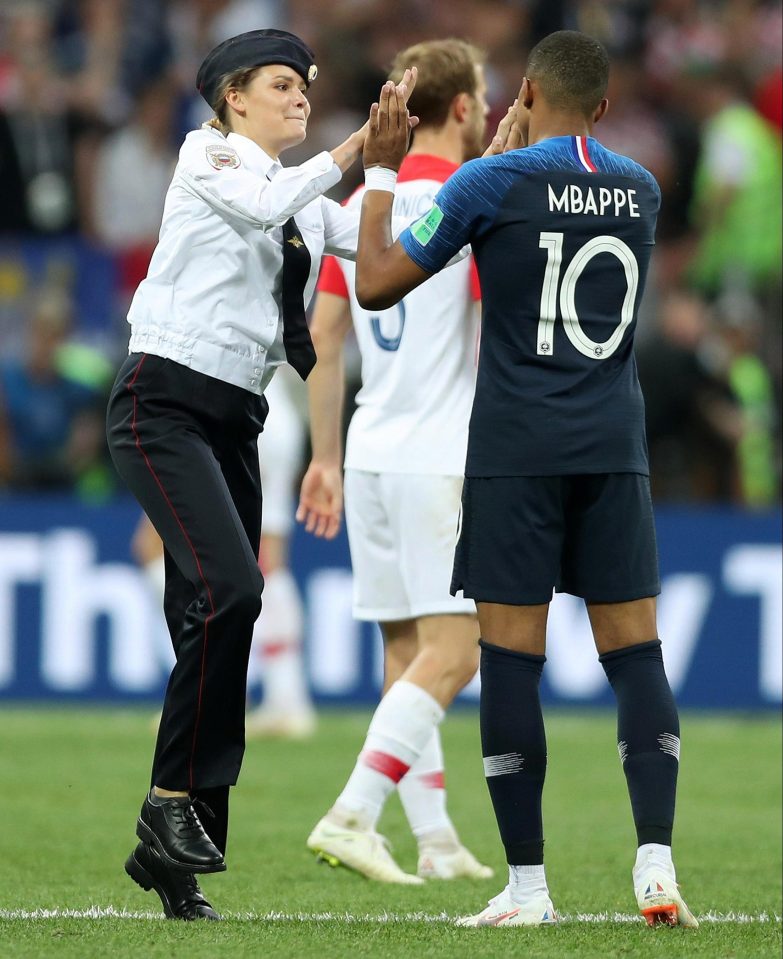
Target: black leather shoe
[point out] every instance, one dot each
(179, 891)
(175, 831)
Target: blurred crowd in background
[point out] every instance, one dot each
(97, 95)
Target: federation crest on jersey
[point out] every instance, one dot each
(223, 157)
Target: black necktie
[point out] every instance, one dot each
(299, 349)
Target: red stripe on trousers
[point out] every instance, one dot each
(195, 557)
(385, 763)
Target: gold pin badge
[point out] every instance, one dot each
(295, 242)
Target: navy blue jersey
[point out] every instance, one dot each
(562, 233)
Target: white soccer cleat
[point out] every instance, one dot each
(365, 852)
(459, 864)
(262, 723)
(503, 911)
(659, 896)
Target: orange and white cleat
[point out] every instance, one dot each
(503, 911)
(658, 895)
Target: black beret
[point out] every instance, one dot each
(254, 49)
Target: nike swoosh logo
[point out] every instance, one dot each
(496, 920)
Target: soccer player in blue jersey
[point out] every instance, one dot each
(556, 492)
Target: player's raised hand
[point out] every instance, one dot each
(321, 500)
(508, 136)
(515, 138)
(408, 83)
(500, 138)
(390, 124)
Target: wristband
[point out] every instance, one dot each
(380, 178)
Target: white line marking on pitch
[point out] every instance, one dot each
(109, 912)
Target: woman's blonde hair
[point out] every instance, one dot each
(237, 80)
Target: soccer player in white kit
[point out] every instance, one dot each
(404, 463)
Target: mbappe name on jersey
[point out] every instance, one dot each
(602, 201)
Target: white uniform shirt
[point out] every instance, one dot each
(418, 358)
(211, 298)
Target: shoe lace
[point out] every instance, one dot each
(186, 815)
(190, 881)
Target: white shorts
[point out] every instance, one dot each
(402, 530)
(280, 448)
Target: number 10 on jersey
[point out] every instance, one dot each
(553, 244)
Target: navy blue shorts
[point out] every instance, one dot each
(591, 535)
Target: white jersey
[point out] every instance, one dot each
(418, 358)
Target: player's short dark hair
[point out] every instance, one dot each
(446, 68)
(571, 70)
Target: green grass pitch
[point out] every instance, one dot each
(72, 782)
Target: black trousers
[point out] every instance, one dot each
(186, 445)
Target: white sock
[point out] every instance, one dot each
(277, 639)
(525, 882)
(285, 685)
(662, 854)
(400, 729)
(155, 574)
(423, 795)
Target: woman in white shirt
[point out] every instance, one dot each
(222, 306)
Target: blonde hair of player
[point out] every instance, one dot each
(446, 68)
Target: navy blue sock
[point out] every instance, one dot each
(513, 745)
(648, 736)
